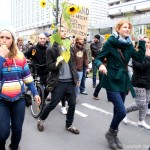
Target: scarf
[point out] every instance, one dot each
(126, 41)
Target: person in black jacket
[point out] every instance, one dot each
(62, 79)
(95, 48)
(37, 54)
(141, 83)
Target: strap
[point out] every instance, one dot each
(124, 60)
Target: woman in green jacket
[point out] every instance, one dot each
(118, 50)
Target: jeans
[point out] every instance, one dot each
(63, 89)
(80, 74)
(119, 113)
(11, 112)
(94, 71)
(82, 84)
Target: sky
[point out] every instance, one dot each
(5, 13)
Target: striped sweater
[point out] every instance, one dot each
(14, 73)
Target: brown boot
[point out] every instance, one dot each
(111, 139)
(119, 144)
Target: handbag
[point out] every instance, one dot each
(28, 99)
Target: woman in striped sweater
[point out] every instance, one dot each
(14, 73)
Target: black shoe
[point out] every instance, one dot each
(94, 86)
(10, 147)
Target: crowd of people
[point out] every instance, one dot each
(109, 58)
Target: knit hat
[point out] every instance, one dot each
(47, 34)
(11, 30)
(97, 36)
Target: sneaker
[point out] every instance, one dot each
(96, 98)
(148, 112)
(84, 93)
(125, 120)
(73, 130)
(40, 125)
(63, 110)
(143, 124)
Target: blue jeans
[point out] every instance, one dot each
(82, 84)
(94, 71)
(119, 113)
(80, 74)
(11, 112)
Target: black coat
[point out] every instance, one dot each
(51, 57)
(141, 73)
(39, 57)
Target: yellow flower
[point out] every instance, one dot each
(72, 10)
(52, 26)
(43, 3)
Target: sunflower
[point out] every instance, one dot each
(43, 3)
(72, 10)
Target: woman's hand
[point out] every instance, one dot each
(103, 69)
(4, 51)
(38, 99)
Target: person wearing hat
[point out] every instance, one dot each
(14, 73)
(95, 48)
(47, 39)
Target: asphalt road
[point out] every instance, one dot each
(92, 118)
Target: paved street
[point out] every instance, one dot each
(92, 118)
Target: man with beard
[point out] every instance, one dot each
(37, 54)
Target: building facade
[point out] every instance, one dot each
(27, 17)
(137, 11)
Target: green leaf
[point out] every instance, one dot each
(57, 38)
(52, 39)
(66, 44)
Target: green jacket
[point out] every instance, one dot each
(117, 78)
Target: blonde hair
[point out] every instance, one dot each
(121, 22)
(78, 38)
(13, 48)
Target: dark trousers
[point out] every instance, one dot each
(82, 84)
(11, 113)
(63, 89)
(94, 71)
(98, 87)
(119, 113)
(149, 106)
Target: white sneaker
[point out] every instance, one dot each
(63, 110)
(144, 124)
(148, 112)
(125, 120)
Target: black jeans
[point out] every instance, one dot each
(63, 89)
(98, 87)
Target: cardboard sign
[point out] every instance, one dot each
(79, 23)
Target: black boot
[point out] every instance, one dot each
(119, 144)
(110, 136)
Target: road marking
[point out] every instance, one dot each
(78, 112)
(105, 112)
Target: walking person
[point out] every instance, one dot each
(141, 83)
(95, 48)
(118, 50)
(81, 60)
(14, 72)
(84, 76)
(63, 80)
